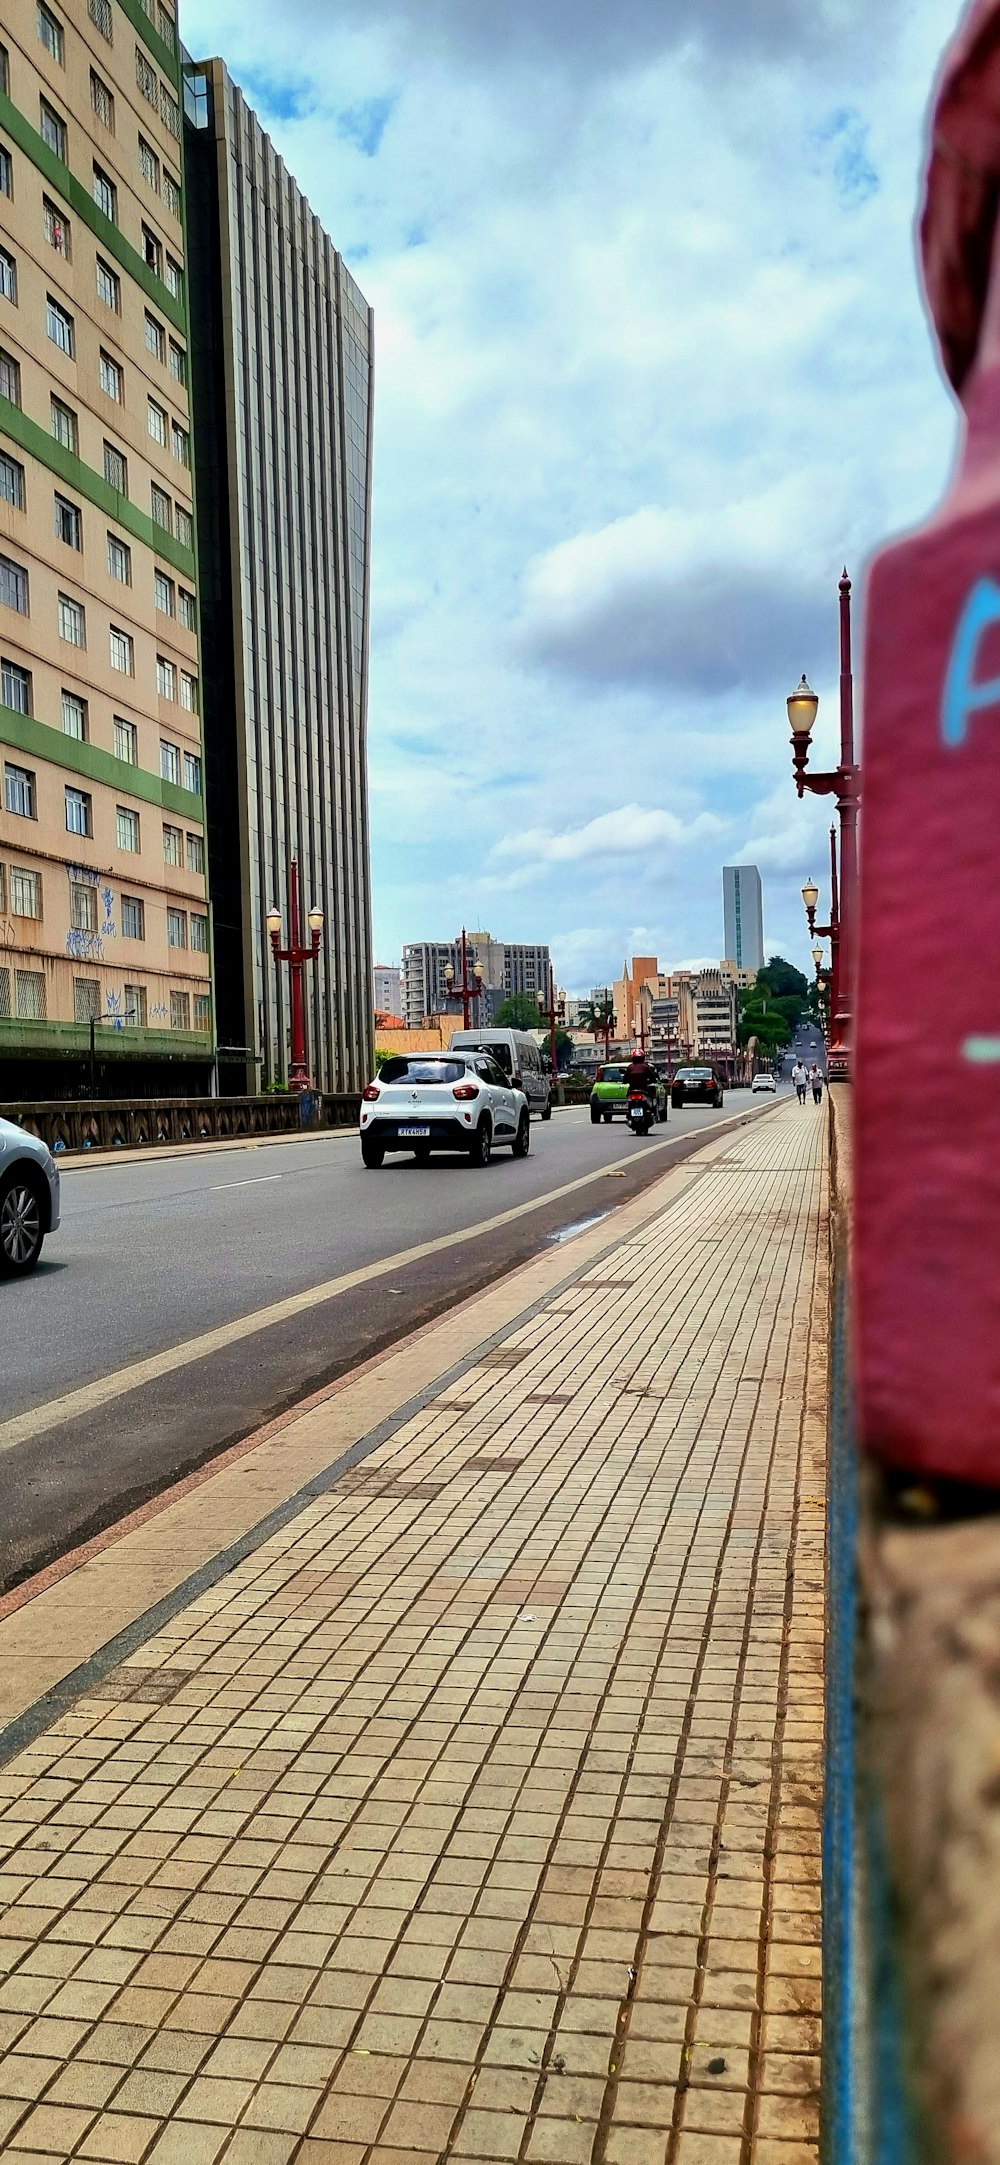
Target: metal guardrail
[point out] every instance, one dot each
(119, 1124)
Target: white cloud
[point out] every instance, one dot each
(633, 831)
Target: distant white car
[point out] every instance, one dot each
(764, 1082)
(29, 1199)
(459, 1100)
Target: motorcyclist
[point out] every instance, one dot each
(639, 1075)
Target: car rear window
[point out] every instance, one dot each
(611, 1074)
(402, 1070)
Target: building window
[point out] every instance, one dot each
(155, 340)
(202, 1011)
(122, 653)
(163, 593)
(25, 893)
(116, 469)
(172, 846)
(189, 692)
(59, 326)
(105, 194)
(170, 762)
(170, 113)
(10, 378)
(29, 995)
(119, 560)
(147, 78)
(8, 276)
(83, 905)
(50, 33)
(112, 379)
(64, 425)
(162, 508)
(4, 70)
(166, 25)
(11, 481)
(126, 742)
(180, 1011)
(52, 130)
(86, 999)
(103, 104)
(133, 918)
(127, 829)
(13, 585)
(166, 678)
(171, 193)
(19, 791)
(195, 849)
(15, 687)
(176, 928)
(109, 290)
(187, 613)
(135, 1007)
(149, 164)
(68, 522)
(184, 526)
(6, 171)
(178, 362)
(72, 621)
(78, 811)
(74, 717)
(102, 18)
(174, 279)
(156, 422)
(180, 443)
(199, 934)
(192, 773)
(152, 252)
(56, 229)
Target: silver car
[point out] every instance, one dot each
(29, 1199)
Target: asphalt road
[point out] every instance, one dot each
(151, 1256)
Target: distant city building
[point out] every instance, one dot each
(682, 1014)
(507, 968)
(282, 382)
(743, 913)
(388, 989)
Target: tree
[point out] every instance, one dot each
(783, 980)
(564, 1049)
(520, 1012)
(764, 1018)
(598, 1016)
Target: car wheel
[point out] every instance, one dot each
(422, 1153)
(372, 1153)
(665, 1110)
(547, 1114)
(608, 1116)
(482, 1143)
(595, 1115)
(522, 1140)
(22, 1226)
(678, 1104)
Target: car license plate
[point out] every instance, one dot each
(408, 1134)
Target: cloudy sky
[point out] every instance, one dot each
(651, 364)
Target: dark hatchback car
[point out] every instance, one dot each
(695, 1086)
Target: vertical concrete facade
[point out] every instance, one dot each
(743, 914)
(282, 343)
(104, 927)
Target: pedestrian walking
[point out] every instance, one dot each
(801, 1080)
(816, 1084)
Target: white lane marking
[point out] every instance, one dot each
(39, 1419)
(260, 1180)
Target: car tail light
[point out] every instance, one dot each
(372, 1091)
(465, 1090)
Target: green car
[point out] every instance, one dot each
(610, 1093)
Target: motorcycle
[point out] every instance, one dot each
(639, 1112)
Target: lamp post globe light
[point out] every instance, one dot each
(296, 954)
(843, 782)
(469, 988)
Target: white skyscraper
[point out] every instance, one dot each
(744, 916)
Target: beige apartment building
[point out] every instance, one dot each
(104, 924)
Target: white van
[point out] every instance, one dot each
(516, 1052)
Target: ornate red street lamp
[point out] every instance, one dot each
(551, 1015)
(296, 954)
(843, 782)
(470, 987)
(831, 932)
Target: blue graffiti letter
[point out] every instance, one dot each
(962, 696)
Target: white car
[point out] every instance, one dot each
(764, 1082)
(457, 1100)
(29, 1198)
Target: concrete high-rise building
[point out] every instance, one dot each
(507, 967)
(743, 912)
(104, 927)
(388, 989)
(282, 373)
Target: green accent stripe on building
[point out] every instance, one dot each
(40, 444)
(132, 1041)
(38, 740)
(76, 195)
(168, 60)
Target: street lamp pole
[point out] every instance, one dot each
(831, 932)
(296, 954)
(843, 782)
(470, 987)
(555, 1012)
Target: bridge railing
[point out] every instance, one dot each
(135, 1124)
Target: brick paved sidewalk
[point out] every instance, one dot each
(476, 1813)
